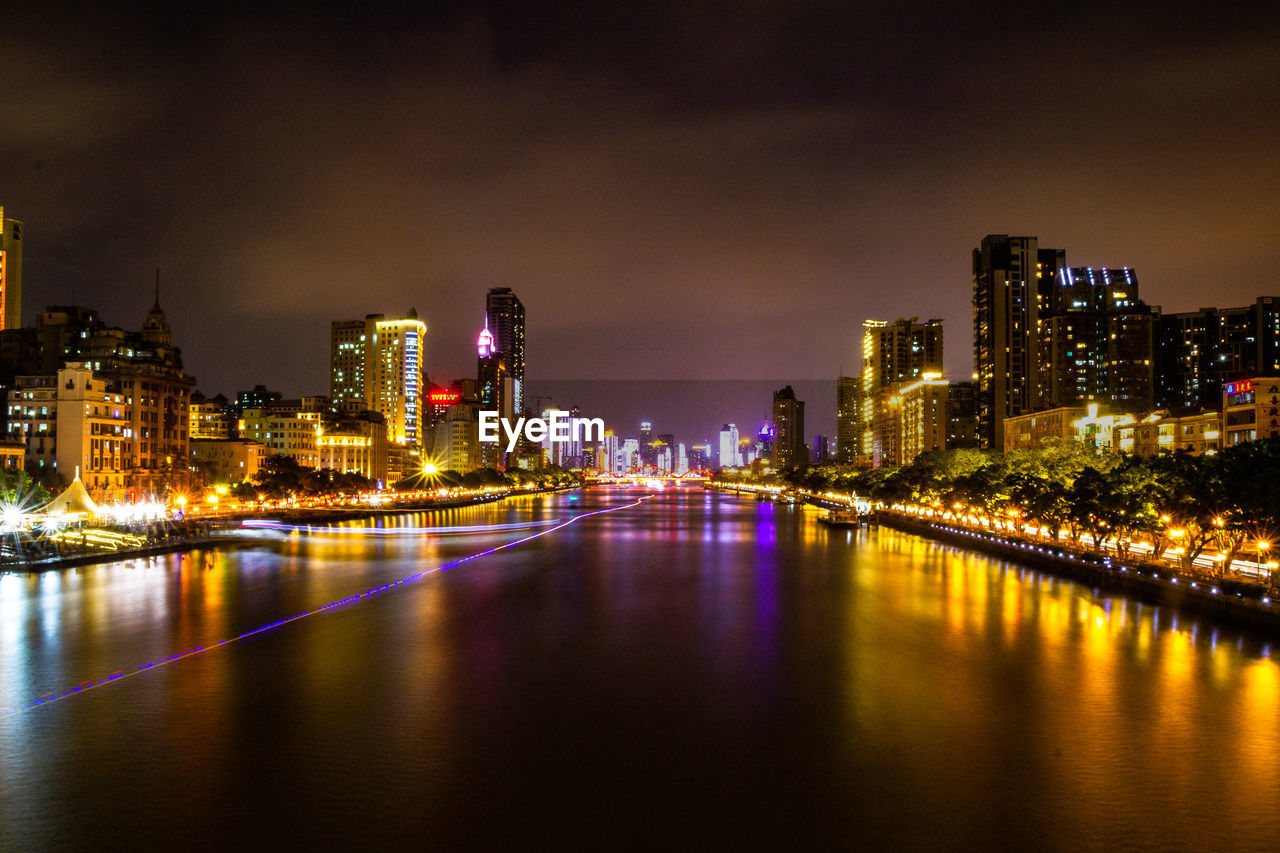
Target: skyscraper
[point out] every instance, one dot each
(505, 316)
(346, 370)
(848, 390)
(10, 272)
(1097, 341)
(788, 424)
(1012, 279)
(493, 391)
(728, 455)
(901, 351)
(376, 365)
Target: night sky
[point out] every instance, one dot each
(675, 190)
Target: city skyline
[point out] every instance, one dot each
(743, 191)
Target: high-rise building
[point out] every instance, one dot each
(728, 456)
(1097, 341)
(376, 366)
(789, 450)
(820, 452)
(848, 391)
(1012, 279)
(1199, 352)
(346, 365)
(901, 351)
(10, 272)
(504, 313)
(394, 378)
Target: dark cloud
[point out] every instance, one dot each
(675, 190)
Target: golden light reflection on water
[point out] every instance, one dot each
(1110, 693)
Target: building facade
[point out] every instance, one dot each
(1012, 278)
(1199, 352)
(10, 272)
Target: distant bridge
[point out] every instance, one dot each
(643, 473)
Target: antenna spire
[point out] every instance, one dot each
(157, 287)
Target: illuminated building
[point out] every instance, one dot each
(1012, 281)
(71, 422)
(700, 458)
(848, 392)
(355, 446)
(1198, 352)
(1097, 341)
(495, 392)
(439, 400)
(284, 433)
(10, 272)
(900, 351)
(504, 314)
(456, 446)
(1250, 410)
(820, 452)
(1162, 432)
(228, 461)
(922, 416)
(13, 455)
(376, 366)
(728, 456)
(348, 341)
(142, 367)
(210, 418)
(393, 376)
(1031, 430)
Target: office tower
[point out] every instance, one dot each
(788, 428)
(728, 455)
(1199, 352)
(895, 352)
(504, 314)
(493, 393)
(393, 375)
(848, 391)
(379, 369)
(10, 272)
(346, 360)
(1097, 341)
(1012, 280)
(646, 442)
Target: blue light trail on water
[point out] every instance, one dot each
(268, 524)
(85, 686)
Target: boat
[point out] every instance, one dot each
(841, 518)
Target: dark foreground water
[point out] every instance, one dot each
(698, 670)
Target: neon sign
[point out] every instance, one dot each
(1244, 386)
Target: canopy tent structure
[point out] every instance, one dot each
(74, 500)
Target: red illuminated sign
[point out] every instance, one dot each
(1244, 386)
(444, 398)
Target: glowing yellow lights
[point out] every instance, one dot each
(430, 468)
